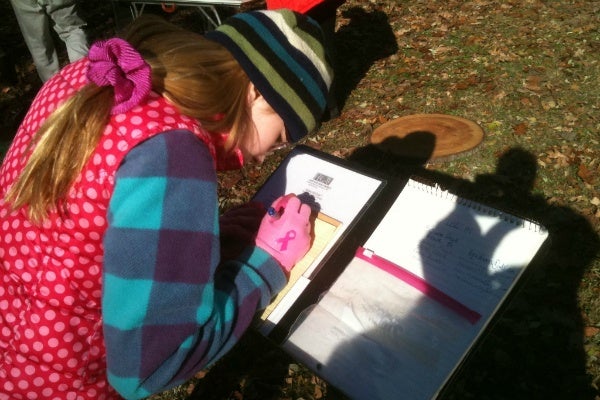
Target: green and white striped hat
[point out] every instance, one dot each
(284, 56)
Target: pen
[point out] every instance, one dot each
(278, 206)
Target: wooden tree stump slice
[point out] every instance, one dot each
(430, 137)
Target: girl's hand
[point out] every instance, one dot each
(285, 231)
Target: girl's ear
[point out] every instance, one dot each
(253, 94)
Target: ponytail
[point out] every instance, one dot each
(61, 147)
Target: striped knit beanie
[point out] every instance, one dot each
(283, 54)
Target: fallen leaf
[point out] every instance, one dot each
(490, 86)
(500, 95)
(201, 374)
(520, 129)
(231, 178)
(526, 102)
(472, 40)
(548, 104)
(441, 50)
(586, 174)
(590, 331)
(502, 54)
(533, 83)
(468, 82)
(318, 393)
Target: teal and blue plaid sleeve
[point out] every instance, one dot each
(168, 310)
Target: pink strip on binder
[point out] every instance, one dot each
(419, 284)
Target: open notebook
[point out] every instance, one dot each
(420, 290)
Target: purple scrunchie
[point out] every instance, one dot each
(114, 62)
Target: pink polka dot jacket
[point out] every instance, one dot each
(124, 294)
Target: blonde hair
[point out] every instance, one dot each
(198, 76)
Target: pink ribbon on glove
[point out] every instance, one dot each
(114, 62)
(285, 233)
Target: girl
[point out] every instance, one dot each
(110, 270)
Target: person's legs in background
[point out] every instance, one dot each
(35, 27)
(69, 26)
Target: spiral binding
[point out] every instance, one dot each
(436, 190)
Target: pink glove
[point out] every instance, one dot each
(286, 234)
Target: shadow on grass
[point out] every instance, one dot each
(255, 369)
(534, 347)
(366, 38)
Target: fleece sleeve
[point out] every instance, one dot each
(169, 307)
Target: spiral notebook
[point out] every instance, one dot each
(418, 293)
